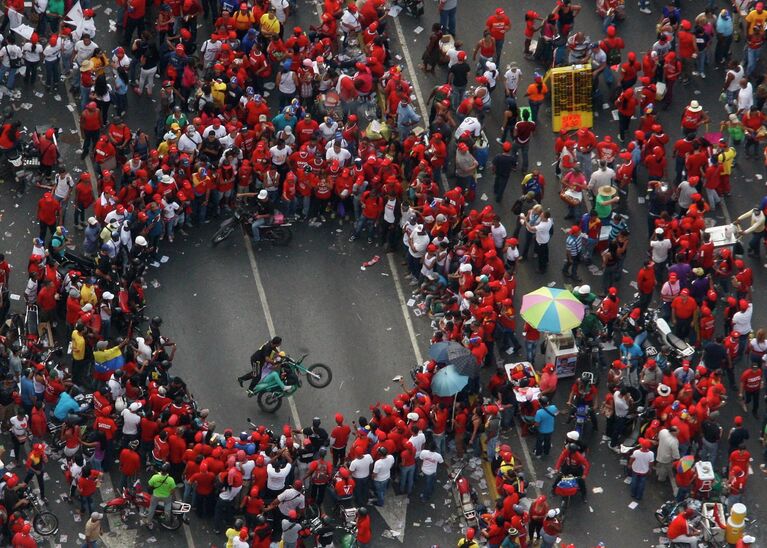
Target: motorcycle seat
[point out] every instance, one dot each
(676, 342)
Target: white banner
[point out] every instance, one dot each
(14, 18)
(75, 15)
(24, 30)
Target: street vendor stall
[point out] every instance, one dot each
(555, 312)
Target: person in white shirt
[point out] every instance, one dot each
(336, 152)
(131, 421)
(660, 246)
(622, 403)
(62, 189)
(498, 232)
(276, 472)
(10, 61)
(417, 244)
(87, 25)
(418, 439)
(470, 124)
(360, 469)
(382, 474)
(511, 79)
(542, 236)
(350, 20)
(32, 52)
(190, 141)
(640, 463)
(52, 57)
(280, 153)
(281, 10)
(210, 49)
(430, 461)
(741, 322)
(84, 49)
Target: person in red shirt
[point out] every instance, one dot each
(686, 49)
(646, 283)
(320, 471)
(23, 538)
(683, 308)
(364, 532)
(90, 123)
(253, 505)
(372, 209)
(750, 386)
(693, 117)
(626, 105)
(204, 483)
(87, 485)
(498, 25)
(48, 211)
(130, 463)
(681, 530)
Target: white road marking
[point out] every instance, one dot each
(403, 306)
(530, 472)
(416, 86)
(267, 315)
(424, 114)
(115, 523)
(76, 119)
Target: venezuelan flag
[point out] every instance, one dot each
(108, 360)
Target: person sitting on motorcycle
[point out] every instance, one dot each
(280, 377)
(263, 214)
(257, 360)
(681, 530)
(572, 462)
(343, 486)
(631, 354)
(608, 309)
(573, 436)
(67, 404)
(583, 390)
(591, 327)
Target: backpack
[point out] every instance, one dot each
(321, 475)
(613, 56)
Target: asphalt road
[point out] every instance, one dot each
(322, 303)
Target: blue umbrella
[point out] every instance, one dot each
(447, 382)
(454, 353)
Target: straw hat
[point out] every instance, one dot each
(86, 65)
(694, 106)
(607, 191)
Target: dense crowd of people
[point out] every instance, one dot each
(319, 124)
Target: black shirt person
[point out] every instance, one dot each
(257, 361)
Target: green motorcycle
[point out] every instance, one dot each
(270, 398)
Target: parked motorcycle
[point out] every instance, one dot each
(414, 8)
(278, 232)
(642, 419)
(680, 349)
(136, 499)
(45, 523)
(566, 488)
(467, 498)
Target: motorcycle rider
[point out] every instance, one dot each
(572, 462)
(264, 211)
(257, 360)
(583, 390)
(280, 377)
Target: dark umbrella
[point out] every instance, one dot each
(457, 355)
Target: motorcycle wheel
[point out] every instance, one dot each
(319, 375)
(281, 235)
(45, 523)
(172, 524)
(269, 402)
(222, 234)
